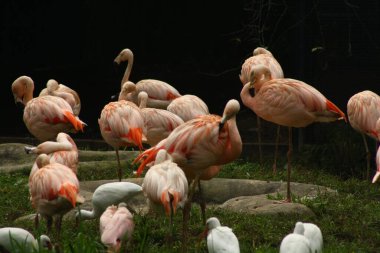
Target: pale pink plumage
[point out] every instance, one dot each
(63, 91)
(363, 111)
(44, 116)
(63, 151)
(188, 107)
(160, 93)
(116, 223)
(54, 189)
(159, 123)
(287, 102)
(122, 124)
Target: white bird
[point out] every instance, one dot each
(313, 233)
(295, 243)
(116, 224)
(109, 194)
(13, 239)
(220, 238)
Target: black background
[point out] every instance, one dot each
(196, 46)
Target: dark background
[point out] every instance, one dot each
(196, 46)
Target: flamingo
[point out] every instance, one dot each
(287, 102)
(313, 233)
(198, 144)
(295, 243)
(159, 123)
(220, 238)
(116, 223)
(109, 194)
(14, 239)
(63, 151)
(188, 107)
(60, 90)
(165, 184)
(160, 93)
(44, 116)
(54, 190)
(262, 56)
(121, 124)
(363, 110)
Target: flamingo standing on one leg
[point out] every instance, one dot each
(198, 144)
(54, 190)
(159, 123)
(44, 116)
(160, 93)
(63, 151)
(121, 124)
(262, 56)
(165, 184)
(116, 223)
(363, 111)
(287, 102)
(60, 90)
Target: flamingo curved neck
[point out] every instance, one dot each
(235, 146)
(246, 97)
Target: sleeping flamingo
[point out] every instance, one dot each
(165, 185)
(220, 238)
(363, 111)
(44, 116)
(121, 124)
(159, 123)
(188, 107)
(63, 151)
(14, 239)
(160, 93)
(198, 144)
(262, 56)
(116, 224)
(54, 190)
(287, 102)
(60, 90)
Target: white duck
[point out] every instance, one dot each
(220, 238)
(313, 233)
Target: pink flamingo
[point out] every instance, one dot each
(60, 90)
(159, 123)
(198, 144)
(54, 190)
(188, 107)
(363, 111)
(44, 116)
(287, 102)
(262, 56)
(116, 223)
(63, 151)
(160, 93)
(165, 184)
(121, 124)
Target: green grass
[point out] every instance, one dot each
(349, 220)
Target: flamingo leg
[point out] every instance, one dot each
(58, 225)
(171, 220)
(118, 165)
(368, 155)
(202, 202)
(259, 140)
(49, 222)
(289, 155)
(186, 212)
(276, 150)
(36, 221)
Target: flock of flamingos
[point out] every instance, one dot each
(187, 145)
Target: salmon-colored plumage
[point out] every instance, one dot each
(287, 102)
(122, 124)
(160, 93)
(44, 116)
(63, 91)
(54, 189)
(116, 224)
(188, 107)
(363, 111)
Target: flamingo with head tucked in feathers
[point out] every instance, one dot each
(287, 102)
(44, 116)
